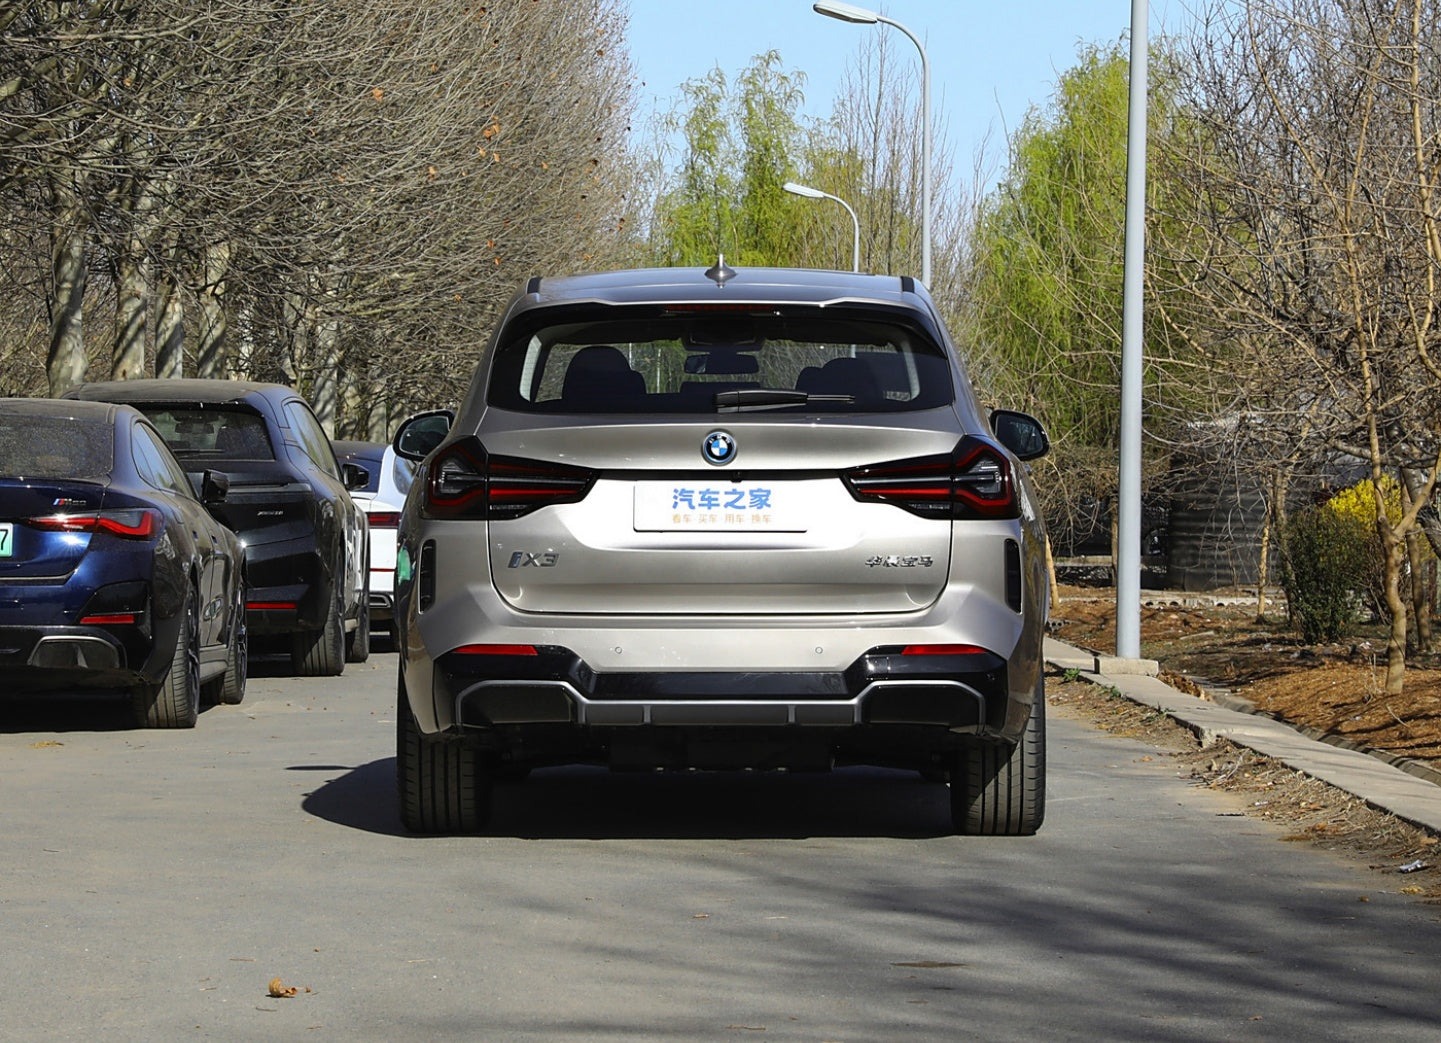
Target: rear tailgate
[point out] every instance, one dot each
(265, 504)
(29, 553)
(660, 532)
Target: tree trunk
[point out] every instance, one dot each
(1420, 602)
(131, 298)
(210, 351)
(170, 332)
(1416, 569)
(324, 386)
(1414, 483)
(65, 366)
(1393, 549)
(1263, 567)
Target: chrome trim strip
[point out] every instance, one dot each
(74, 651)
(634, 712)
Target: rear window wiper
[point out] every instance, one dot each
(745, 400)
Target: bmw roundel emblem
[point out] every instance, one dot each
(718, 448)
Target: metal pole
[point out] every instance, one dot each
(925, 150)
(1128, 496)
(795, 188)
(863, 16)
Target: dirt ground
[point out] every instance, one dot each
(1219, 643)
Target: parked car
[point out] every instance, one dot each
(722, 519)
(381, 499)
(306, 538)
(113, 574)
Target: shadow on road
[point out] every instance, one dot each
(585, 803)
(71, 712)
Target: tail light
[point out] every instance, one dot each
(974, 480)
(141, 523)
(383, 519)
(467, 482)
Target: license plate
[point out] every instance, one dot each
(7, 537)
(716, 507)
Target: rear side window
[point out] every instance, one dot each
(312, 438)
(675, 361)
(56, 447)
(157, 466)
(200, 435)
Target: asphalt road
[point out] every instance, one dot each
(152, 885)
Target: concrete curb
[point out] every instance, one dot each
(1384, 786)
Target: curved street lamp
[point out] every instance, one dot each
(815, 193)
(860, 16)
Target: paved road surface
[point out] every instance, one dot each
(154, 883)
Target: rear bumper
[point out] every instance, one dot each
(48, 658)
(381, 597)
(289, 588)
(882, 687)
(552, 707)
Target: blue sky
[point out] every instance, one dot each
(991, 60)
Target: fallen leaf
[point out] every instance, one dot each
(45, 744)
(280, 990)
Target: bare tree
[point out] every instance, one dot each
(1310, 252)
(340, 194)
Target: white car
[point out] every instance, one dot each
(381, 499)
(723, 519)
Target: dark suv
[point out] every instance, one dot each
(721, 519)
(306, 539)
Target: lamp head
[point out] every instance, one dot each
(845, 12)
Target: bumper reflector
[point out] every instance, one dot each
(495, 650)
(944, 650)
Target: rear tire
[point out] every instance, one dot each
(443, 787)
(237, 659)
(999, 789)
(175, 702)
(321, 653)
(357, 642)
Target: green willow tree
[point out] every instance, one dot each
(727, 196)
(1047, 266)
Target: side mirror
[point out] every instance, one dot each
(419, 434)
(1021, 433)
(354, 476)
(214, 487)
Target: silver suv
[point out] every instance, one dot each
(721, 519)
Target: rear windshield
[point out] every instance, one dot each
(669, 362)
(212, 434)
(55, 447)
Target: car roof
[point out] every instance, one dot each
(193, 389)
(61, 407)
(724, 284)
(351, 447)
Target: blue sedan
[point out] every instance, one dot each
(114, 576)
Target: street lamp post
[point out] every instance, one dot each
(860, 16)
(815, 193)
(1128, 493)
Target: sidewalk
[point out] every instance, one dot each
(1383, 786)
